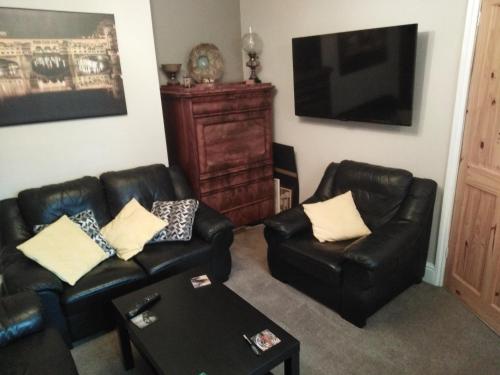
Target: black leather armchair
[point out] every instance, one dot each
(357, 277)
(26, 347)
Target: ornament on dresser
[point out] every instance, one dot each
(205, 63)
(252, 45)
(171, 71)
(187, 81)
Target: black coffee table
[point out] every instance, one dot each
(201, 330)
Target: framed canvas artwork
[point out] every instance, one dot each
(57, 66)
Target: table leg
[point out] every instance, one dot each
(127, 358)
(292, 366)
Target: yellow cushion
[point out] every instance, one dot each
(336, 219)
(64, 249)
(131, 229)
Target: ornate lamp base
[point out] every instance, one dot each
(253, 63)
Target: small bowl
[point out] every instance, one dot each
(171, 68)
(171, 71)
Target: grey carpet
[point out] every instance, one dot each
(423, 331)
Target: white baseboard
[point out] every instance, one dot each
(431, 274)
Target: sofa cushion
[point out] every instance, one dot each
(180, 217)
(377, 191)
(88, 223)
(46, 204)
(64, 249)
(169, 258)
(145, 184)
(111, 278)
(14, 263)
(131, 229)
(321, 260)
(43, 353)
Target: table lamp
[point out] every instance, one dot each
(252, 45)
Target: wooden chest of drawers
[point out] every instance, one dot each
(221, 136)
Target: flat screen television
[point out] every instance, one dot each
(364, 75)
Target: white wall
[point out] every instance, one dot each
(37, 154)
(421, 148)
(179, 25)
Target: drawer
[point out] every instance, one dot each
(230, 103)
(213, 183)
(239, 196)
(251, 214)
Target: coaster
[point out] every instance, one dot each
(145, 319)
(200, 281)
(265, 340)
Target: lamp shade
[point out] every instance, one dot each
(252, 43)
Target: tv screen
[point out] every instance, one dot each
(364, 75)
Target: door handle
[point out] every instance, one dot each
(493, 232)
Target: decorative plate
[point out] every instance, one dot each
(205, 63)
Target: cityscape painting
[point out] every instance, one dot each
(57, 66)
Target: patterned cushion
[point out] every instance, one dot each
(87, 221)
(180, 217)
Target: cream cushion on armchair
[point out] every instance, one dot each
(336, 219)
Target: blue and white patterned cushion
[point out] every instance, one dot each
(87, 221)
(180, 217)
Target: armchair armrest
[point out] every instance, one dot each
(289, 222)
(384, 246)
(378, 267)
(382, 249)
(208, 222)
(20, 315)
(21, 274)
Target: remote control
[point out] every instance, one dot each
(147, 302)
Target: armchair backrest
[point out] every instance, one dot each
(377, 191)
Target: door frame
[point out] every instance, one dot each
(435, 273)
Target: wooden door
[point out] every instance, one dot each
(473, 264)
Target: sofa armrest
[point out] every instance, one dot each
(20, 315)
(384, 246)
(208, 222)
(289, 222)
(13, 229)
(21, 273)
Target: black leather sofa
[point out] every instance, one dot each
(357, 277)
(84, 309)
(26, 346)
